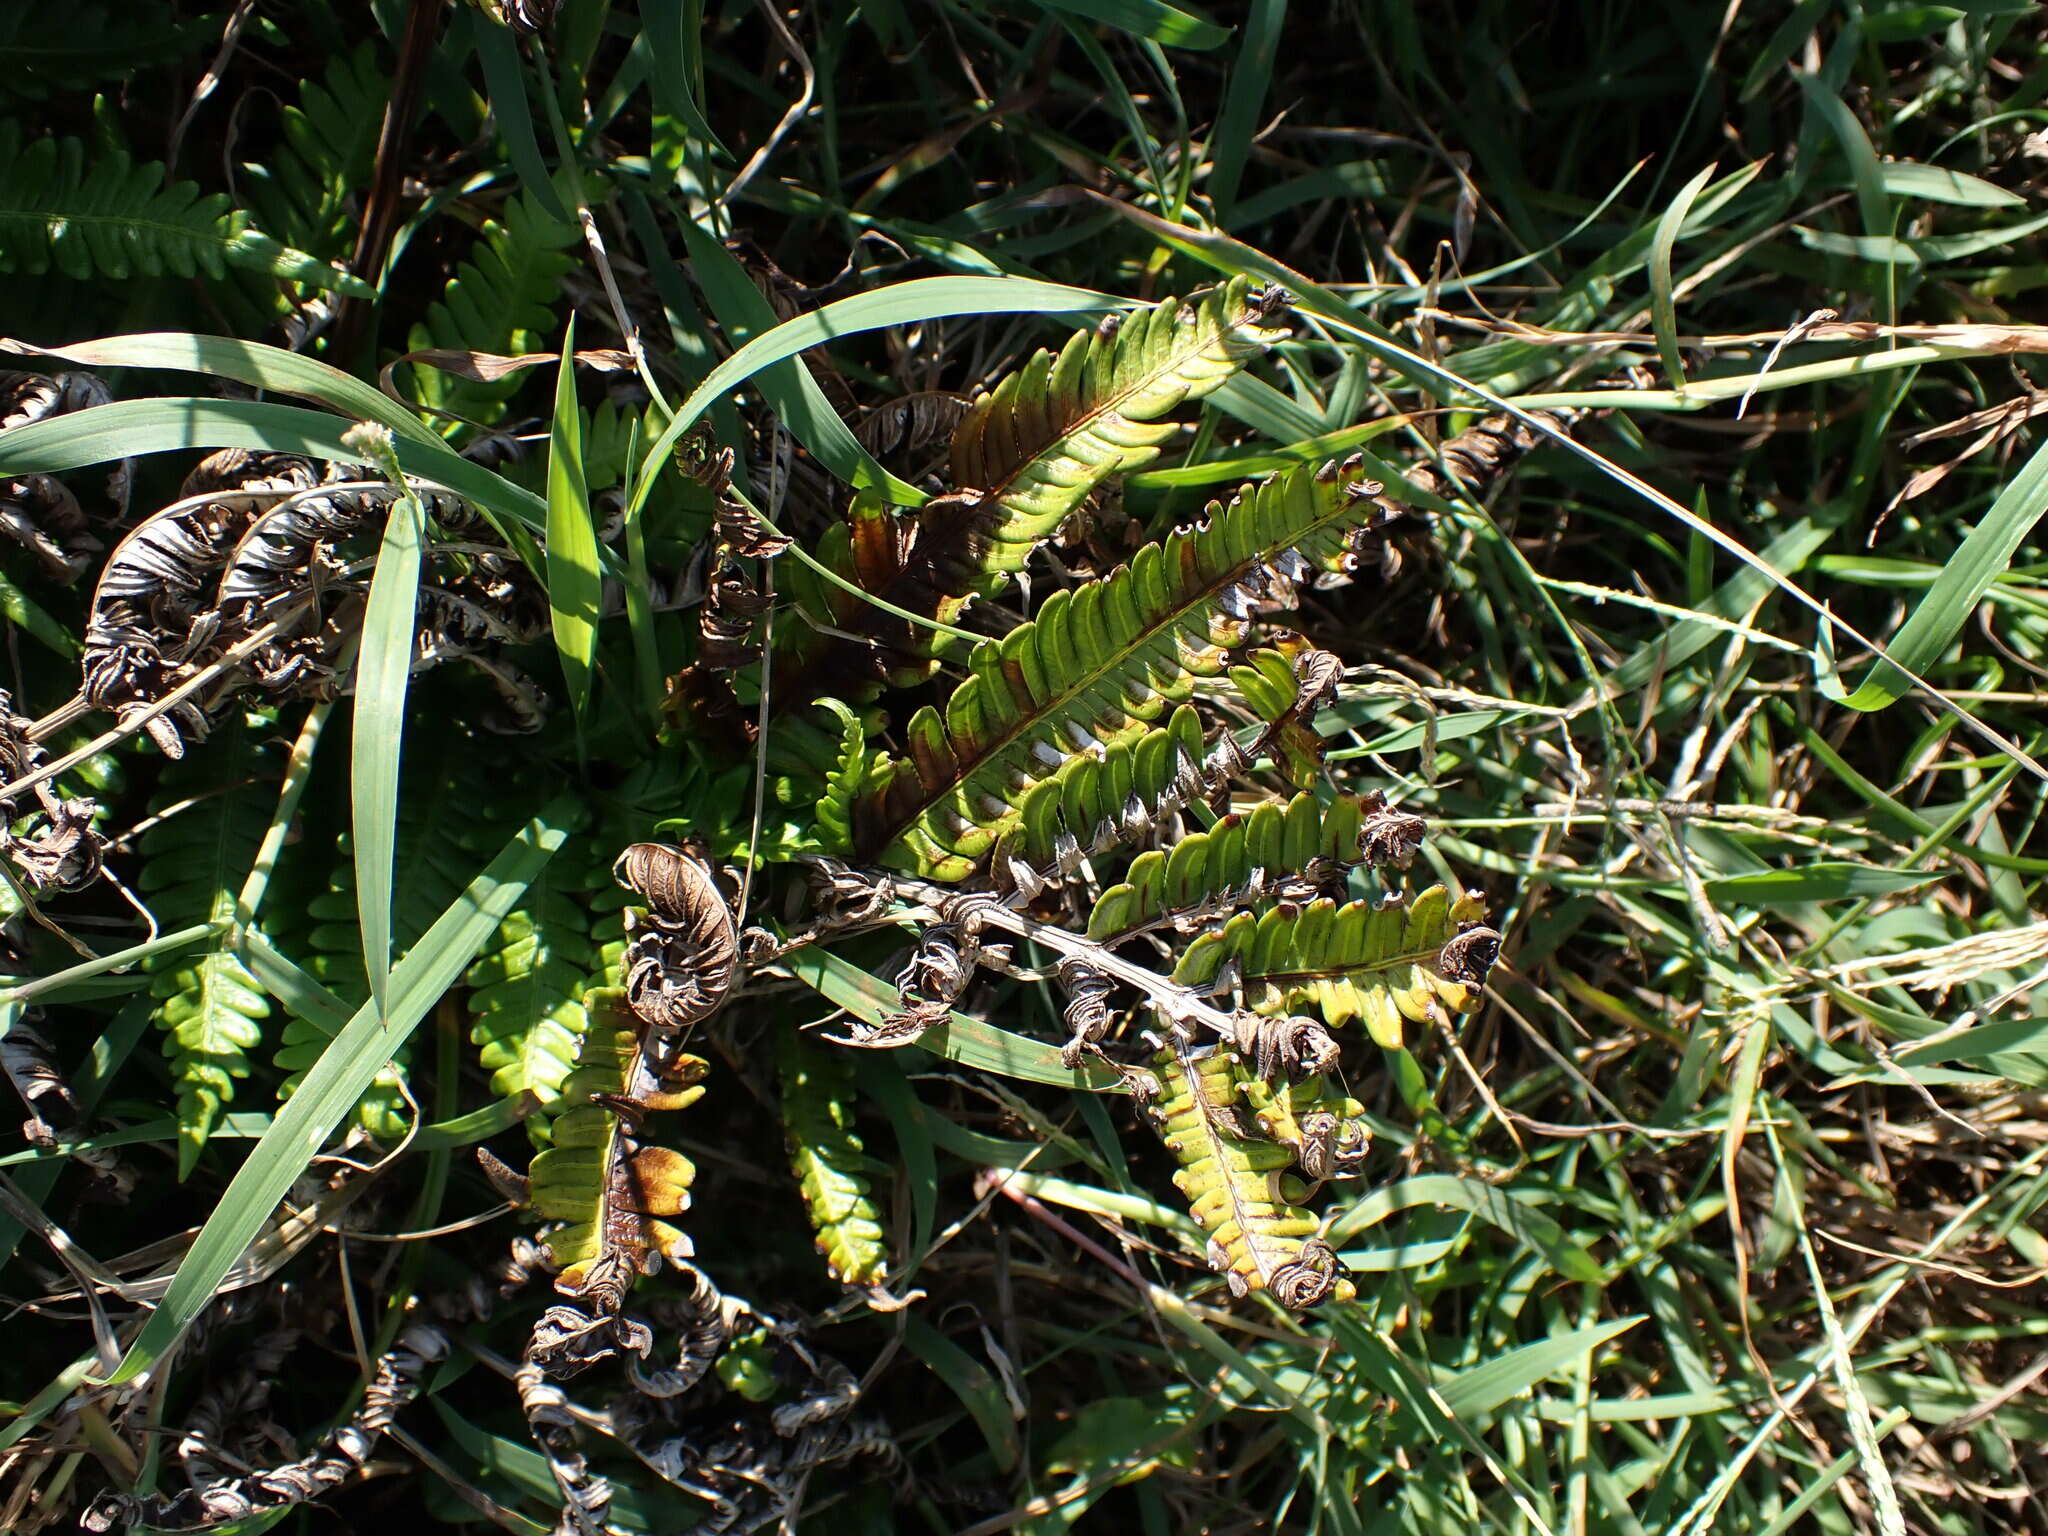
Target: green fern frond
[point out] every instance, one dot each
(194, 862)
(40, 52)
(1026, 455)
(826, 1156)
(307, 188)
(1102, 663)
(614, 1194)
(1382, 963)
(501, 300)
(1259, 1239)
(1248, 857)
(98, 214)
(527, 986)
(843, 783)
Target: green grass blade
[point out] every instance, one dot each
(129, 428)
(1939, 617)
(1497, 1207)
(1934, 184)
(1251, 78)
(377, 733)
(512, 111)
(1865, 173)
(335, 1082)
(1663, 308)
(961, 1039)
(246, 362)
(1176, 28)
(788, 386)
(1484, 1388)
(575, 584)
(970, 1381)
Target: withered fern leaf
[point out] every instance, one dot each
(614, 1195)
(1235, 1183)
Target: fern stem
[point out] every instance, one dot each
(1175, 1003)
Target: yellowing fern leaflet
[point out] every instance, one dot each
(615, 1194)
(1258, 1239)
(1382, 963)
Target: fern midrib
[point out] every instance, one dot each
(1346, 972)
(1055, 708)
(211, 234)
(1219, 1148)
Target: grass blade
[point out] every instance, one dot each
(1151, 19)
(1939, 617)
(129, 428)
(575, 584)
(377, 736)
(924, 298)
(246, 362)
(1663, 308)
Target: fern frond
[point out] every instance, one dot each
(194, 862)
(1259, 1240)
(1102, 663)
(1029, 451)
(527, 986)
(306, 189)
(843, 783)
(99, 214)
(1273, 850)
(827, 1158)
(614, 1194)
(40, 53)
(1382, 963)
(501, 300)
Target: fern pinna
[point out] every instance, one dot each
(826, 1156)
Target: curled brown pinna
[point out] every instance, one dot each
(684, 956)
